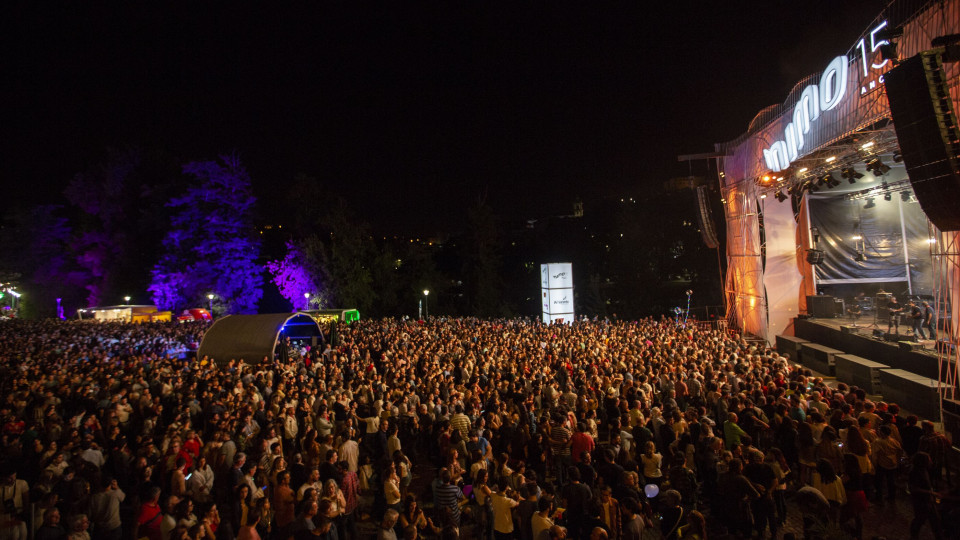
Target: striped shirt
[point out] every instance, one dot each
(449, 496)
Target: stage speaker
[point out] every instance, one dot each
(849, 329)
(708, 231)
(926, 126)
(910, 346)
(814, 256)
(821, 305)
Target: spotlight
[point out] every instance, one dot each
(860, 257)
(887, 196)
(851, 175)
(870, 203)
(897, 157)
(905, 196)
(831, 181)
(886, 191)
(812, 187)
(781, 196)
(877, 167)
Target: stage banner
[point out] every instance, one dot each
(556, 292)
(781, 276)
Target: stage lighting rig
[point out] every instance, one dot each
(877, 167)
(851, 175)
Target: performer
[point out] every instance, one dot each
(929, 321)
(916, 319)
(894, 309)
(855, 311)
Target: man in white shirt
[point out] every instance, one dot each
(502, 515)
(541, 521)
(350, 451)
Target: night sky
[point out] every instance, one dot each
(411, 111)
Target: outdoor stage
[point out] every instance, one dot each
(827, 331)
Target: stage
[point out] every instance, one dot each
(862, 342)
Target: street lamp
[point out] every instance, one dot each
(306, 296)
(126, 299)
(210, 299)
(426, 302)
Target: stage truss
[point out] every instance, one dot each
(945, 254)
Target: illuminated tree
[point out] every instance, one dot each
(120, 222)
(211, 246)
(300, 273)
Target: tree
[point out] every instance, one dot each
(37, 244)
(349, 252)
(211, 247)
(481, 262)
(300, 273)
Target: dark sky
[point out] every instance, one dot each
(409, 110)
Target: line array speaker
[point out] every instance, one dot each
(926, 126)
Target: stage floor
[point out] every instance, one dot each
(865, 327)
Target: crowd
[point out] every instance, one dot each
(616, 430)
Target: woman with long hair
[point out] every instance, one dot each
(826, 481)
(860, 447)
(412, 520)
(807, 451)
(482, 493)
(853, 484)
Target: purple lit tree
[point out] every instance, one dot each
(121, 218)
(210, 246)
(299, 274)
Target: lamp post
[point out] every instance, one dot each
(210, 299)
(126, 299)
(426, 303)
(306, 296)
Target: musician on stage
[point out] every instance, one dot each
(894, 309)
(929, 321)
(916, 319)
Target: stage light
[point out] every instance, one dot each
(877, 167)
(870, 203)
(831, 158)
(780, 196)
(860, 257)
(851, 175)
(886, 191)
(867, 145)
(803, 170)
(897, 157)
(762, 196)
(831, 181)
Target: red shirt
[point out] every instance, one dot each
(149, 521)
(579, 443)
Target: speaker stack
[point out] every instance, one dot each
(926, 126)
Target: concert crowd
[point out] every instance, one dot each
(599, 429)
